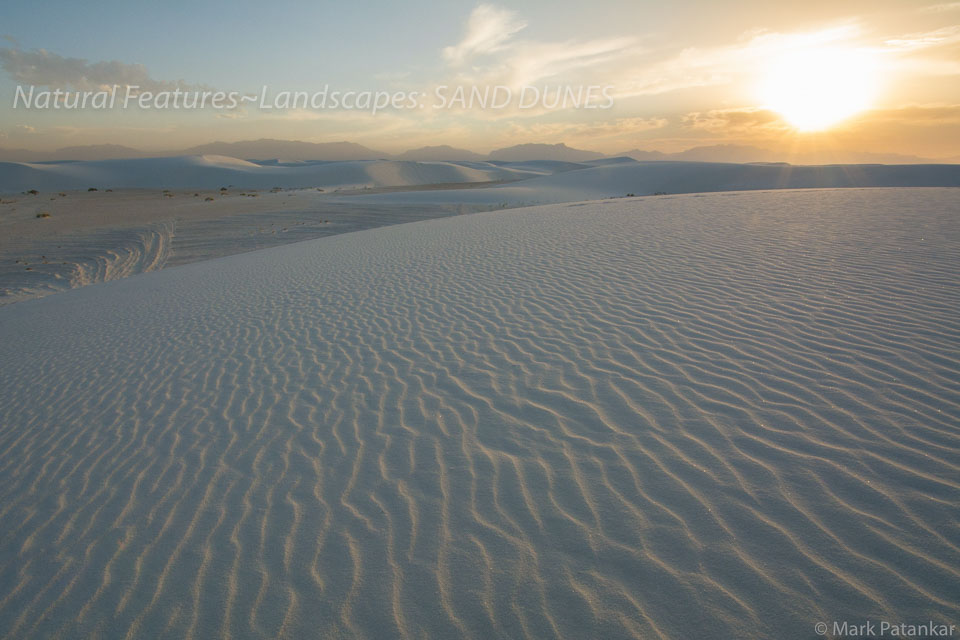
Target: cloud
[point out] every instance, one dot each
(488, 28)
(489, 53)
(588, 130)
(531, 62)
(923, 115)
(43, 68)
(735, 121)
(763, 123)
(25, 128)
(925, 40)
(940, 8)
(703, 67)
(745, 59)
(237, 114)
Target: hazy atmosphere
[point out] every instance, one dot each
(676, 76)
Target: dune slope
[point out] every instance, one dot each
(617, 178)
(211, 172)
(715, 416)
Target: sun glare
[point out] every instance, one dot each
(815, 89)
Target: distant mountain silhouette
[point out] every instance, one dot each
(266, 148)
(441, 152)
(294, 150)
(747, 153)
(524, 152)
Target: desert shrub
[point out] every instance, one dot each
(92, 189)
(43, 214)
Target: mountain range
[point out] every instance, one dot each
(299, 151)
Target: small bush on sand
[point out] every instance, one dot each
(33, 192)
(43, 214)
(208, 199)
(92, 189)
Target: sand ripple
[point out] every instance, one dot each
(699, 416)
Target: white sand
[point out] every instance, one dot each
(619, 177)
(95, 237)
(726, 416)
(100, 236)
(213, 172)
(542, 181)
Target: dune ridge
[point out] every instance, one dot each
(212, 172)
(91, 238)
(729, 415)
(535, 181)
(618, 177)
(79, 261)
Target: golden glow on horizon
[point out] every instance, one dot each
(816, 89)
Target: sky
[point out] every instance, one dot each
(877, 77)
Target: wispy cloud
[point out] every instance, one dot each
(926, 39)
(490, 53)
(918, 115)
(488, 29)
(588, 131)
(531, 62)
(703, 67)
(735, 121)
(758, 125)
(940, 8)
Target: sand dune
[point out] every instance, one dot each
(617, 178)
(96, 237)
(727, 415)
(80, 260)
(211, 172)
(535, 181)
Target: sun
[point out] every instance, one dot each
(818, 88)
